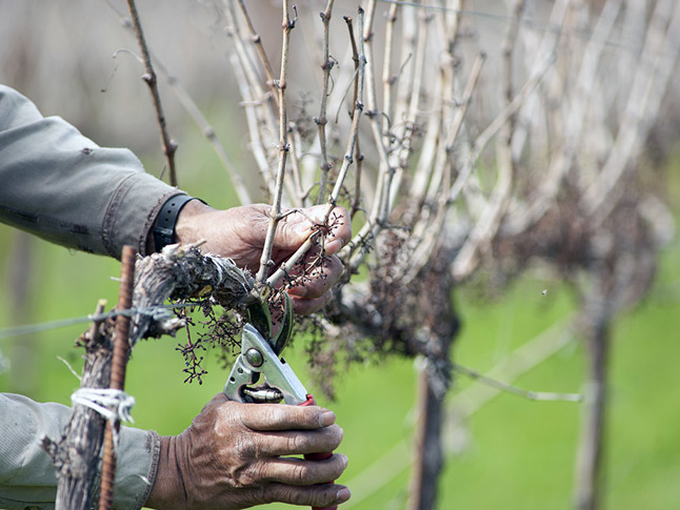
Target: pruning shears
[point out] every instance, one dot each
(260, 355)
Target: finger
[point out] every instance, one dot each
(295, 228)
(271, 417)
(302, 306)
(339, 230)
(320, 280)
(298, 442)
(303, 472)
(315, 495)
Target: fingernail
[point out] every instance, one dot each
(298, 291)
(344, 494)
(327, 419)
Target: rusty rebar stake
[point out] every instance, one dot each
(121, 349)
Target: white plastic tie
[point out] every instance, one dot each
(113, 405)
(110, 403)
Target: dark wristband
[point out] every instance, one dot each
(164, 229)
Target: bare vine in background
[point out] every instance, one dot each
(437, 195)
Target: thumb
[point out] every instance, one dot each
(292, 232)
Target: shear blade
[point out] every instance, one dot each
(260, 317)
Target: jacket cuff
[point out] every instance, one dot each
(138, 453)
(131, 213)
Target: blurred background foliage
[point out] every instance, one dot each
(510, 453)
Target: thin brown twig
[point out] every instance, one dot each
(443, 102)
(349, 253)
(296, 188)
(169, 146)
(209, 132)
(356, 116)
(196, 114)
(255, 145)
(347, 161)
(288, 24)
(410, 120)
(387, 77)
(358, 156)
(387, 187)
(356, 198)
(257, 41)
(355, 59)
(321, 120)
(375, 116)
(260, 115)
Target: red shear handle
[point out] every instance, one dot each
(317, 456)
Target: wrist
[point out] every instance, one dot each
(186, 226)
(168, 491)
(166, 223)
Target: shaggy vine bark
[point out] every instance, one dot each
(76, 454)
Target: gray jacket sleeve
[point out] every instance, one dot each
(27, 477)
(61, 186)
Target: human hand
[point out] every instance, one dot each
(239, 233)
(236, 455)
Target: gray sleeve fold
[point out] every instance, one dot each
(61, 186)
(27, 477)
